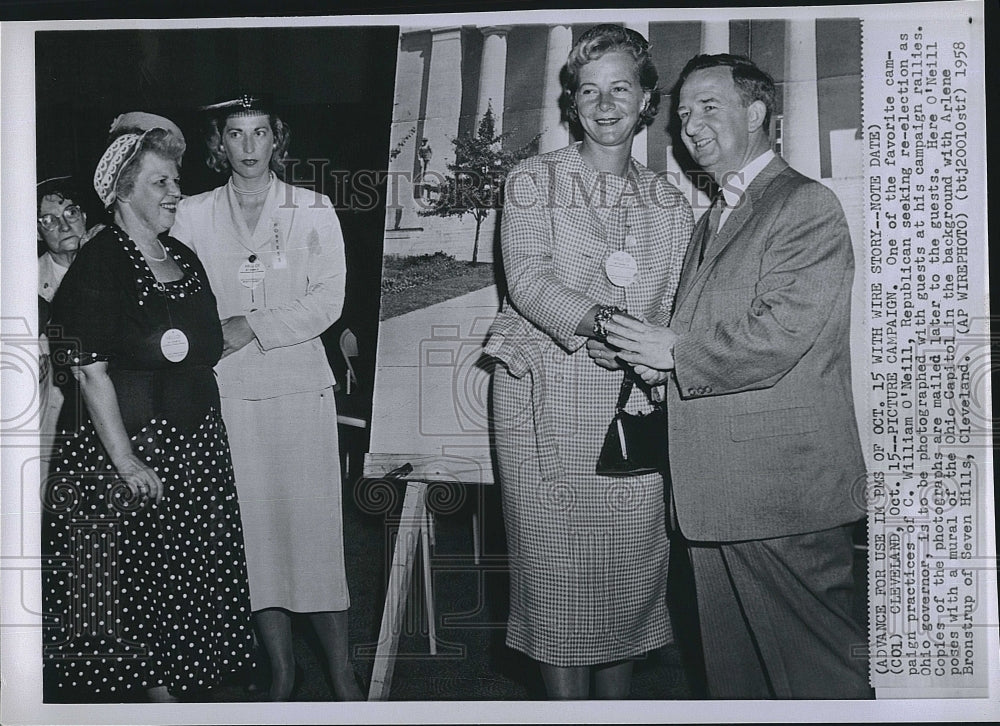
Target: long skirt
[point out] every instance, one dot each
(287, 465)
(140, 595)
(588, 553)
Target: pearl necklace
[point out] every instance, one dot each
(255, 192)
(156, 259)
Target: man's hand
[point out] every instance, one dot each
(651, 376)
(642, 343)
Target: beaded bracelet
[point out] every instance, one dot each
(602, 317)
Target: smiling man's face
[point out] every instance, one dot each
(717, 126)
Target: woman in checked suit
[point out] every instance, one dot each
(584, 228)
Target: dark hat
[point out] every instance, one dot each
(63, 186)
(244, 104)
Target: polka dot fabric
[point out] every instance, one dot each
(146, 594)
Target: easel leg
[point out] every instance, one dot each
(425, 551)
(411, 526)
(476, 547)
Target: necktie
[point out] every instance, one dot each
(714, 215)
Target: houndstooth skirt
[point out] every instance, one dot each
(588, 553)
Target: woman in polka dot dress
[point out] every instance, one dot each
(145, 581)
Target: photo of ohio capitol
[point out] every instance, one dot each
(431, 379)
(447, 77)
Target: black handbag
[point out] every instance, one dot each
(635, 443)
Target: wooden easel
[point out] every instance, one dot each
(418, 471)
(429, 402)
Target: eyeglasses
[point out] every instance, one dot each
(71, 214)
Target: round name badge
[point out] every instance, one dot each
(621, 268)
(174, 345)
(251, 274)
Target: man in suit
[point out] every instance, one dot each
(767, 469)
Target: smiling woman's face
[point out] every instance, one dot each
(153, 199)
(248, 142)
(609, 99)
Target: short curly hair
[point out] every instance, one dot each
(610, 38)
(216, 154)
(157, 141)
(63, 189)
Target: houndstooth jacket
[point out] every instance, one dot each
(561, 221)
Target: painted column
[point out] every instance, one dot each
(800, 133)
(715, 36)
(555, 133)
(407, 129)
(493, 72)
(444, 99)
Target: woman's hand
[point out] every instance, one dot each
(642, 343)
(602, 355)
(140, 479)
(236, 333)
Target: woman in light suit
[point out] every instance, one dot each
(275, 257)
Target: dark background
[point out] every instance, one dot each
(333, 86)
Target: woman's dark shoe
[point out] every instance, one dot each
(256, 682)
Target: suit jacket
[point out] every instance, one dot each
(763, 436)
(299, 243)
(561, 220)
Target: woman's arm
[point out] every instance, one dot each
(318, 307)
(534, 287)
(99, 394)
(236, 333)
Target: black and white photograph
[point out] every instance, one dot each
(580, 365)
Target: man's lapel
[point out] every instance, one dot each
(692, 271)
(690, 267)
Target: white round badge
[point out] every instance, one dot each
(251, 274)
(174, 345)
(621, 268)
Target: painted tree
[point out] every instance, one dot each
(475, 183)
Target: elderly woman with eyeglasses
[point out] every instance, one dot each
(145, 574)
(62, 231)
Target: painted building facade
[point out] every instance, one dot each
(446, 78)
